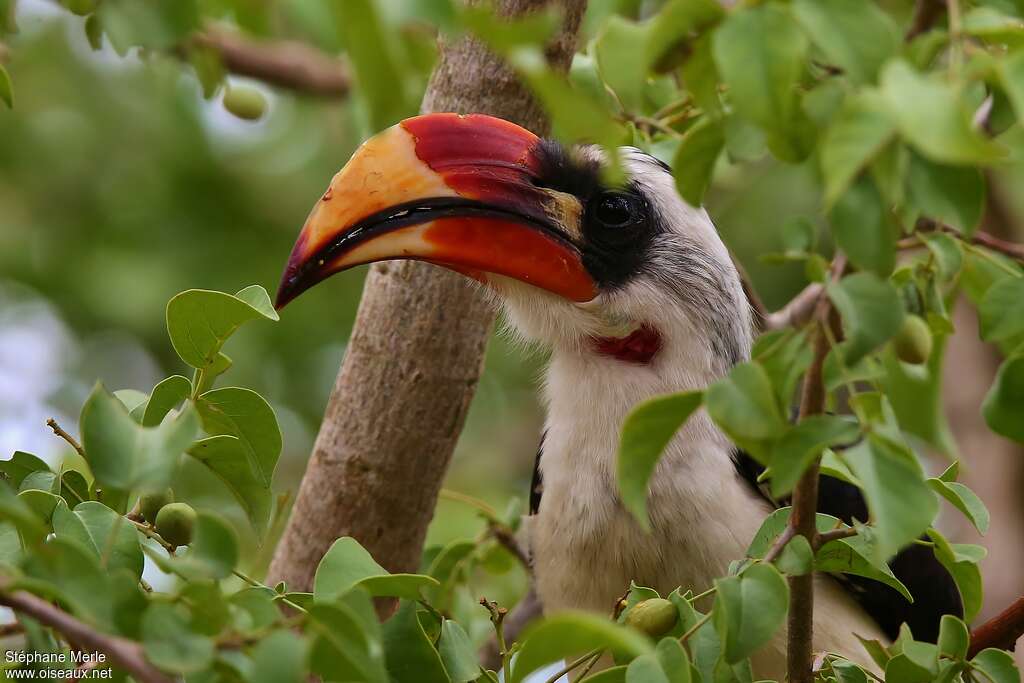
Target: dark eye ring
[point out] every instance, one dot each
(614, 209)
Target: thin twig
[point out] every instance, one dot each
(1001, 631)
(288, 64)
(52, 424)
(498, 615)
(525, 611)
(835, 535)
(573, 665)
(503, 535)
(797, 312)
(780, 543)
(696, 627)
(11, 629)
(122, 652)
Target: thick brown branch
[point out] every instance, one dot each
(122, 652)
(287, 64)
(1001, 631)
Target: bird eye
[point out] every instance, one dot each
(616, 210)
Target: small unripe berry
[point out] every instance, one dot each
(245, 102)
(655, 617)
(176, 522)
(150, 505)
(913, 343)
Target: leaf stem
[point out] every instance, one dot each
(693, 629)
(576, 663)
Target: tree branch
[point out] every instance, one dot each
(287, 64)
(1001, 631)
(124, 653)
(795, 313)
(800, 618)
(926, 13)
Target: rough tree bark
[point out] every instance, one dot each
(412, 363)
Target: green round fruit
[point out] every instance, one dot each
(176, 522)
(150, 505)
(913, 343)
(655, 617)
(245, 102)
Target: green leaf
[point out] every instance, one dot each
(246, 415)
(760, 53)
(108, 536)
(871, 311)
(411, 656)
(948, 255)
(623, 66)
(745, 407)
(225, 456)
(647, 430)
(797, 558)
(1011, 73)
(931, 115)
(124, 455)
(1003, 402)
(199, 321)
(6, 88)
(347, 565)
(279, 658)
(964, 500)
(915, 392)
(165, 397)
(1001, 313)
(575, 114)
(857, 135)
(457, 653)
(856, 36)
(997, 665)
(749, 609)
(950, 194)
(964, 570)
(902, 505)
(347, 645)
(863, 228)
(954, 637)
(14, 509)
(19, 466)
(674, 660)
(645, 669)
(213, 552)
(672, 28)
(63, 568)
(802, 443)
(695, 159)
(379, 68)
(171, 644)
(567, 634)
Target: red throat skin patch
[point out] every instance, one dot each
(640, 346)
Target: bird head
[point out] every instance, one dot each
(578, 264)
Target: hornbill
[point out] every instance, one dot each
(636, 295)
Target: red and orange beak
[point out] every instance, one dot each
(457, 191)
